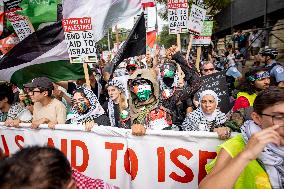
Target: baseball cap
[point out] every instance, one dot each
(40, 82)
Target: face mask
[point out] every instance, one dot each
(143, 92)
(82, 107)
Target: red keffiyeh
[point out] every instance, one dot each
(84, 182)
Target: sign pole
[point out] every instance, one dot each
(178, 41)
(189, 46)
(87, 77)
(198, 58)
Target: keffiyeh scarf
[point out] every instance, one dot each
(94, 112)
(272, 156)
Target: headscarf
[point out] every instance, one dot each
(272, 157)
(94, 112)
(198, 120)
(169, 71)
(209, 117)
(118, 84)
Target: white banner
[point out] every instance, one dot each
(196, 18)
(160, 159)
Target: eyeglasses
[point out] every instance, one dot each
(276, 119)
(33, 92)
(210, 69)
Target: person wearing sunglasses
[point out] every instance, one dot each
(207, 68)
(47, 110)
(254, 158)
(256, 80)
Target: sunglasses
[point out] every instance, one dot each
(75, 102)
(210, 69)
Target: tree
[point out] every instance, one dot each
(165, 38)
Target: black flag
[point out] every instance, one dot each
(134, 45)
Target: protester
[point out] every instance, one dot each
(207, 68)
(275, 69)
(132, 67)
(253, 159)
(256, 80)
(86, 109)
(144, 98)
(241, 38)
(50, 170)
(12, 113)
(207, 117)
(255, 41)
(47, 110)
(117, 105)
(232, 74)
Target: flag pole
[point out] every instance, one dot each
(178, 41)
(87, 77)
(189, 46)
(198, 58)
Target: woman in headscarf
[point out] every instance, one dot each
(86, 109)
(117, 105)
(207, 117)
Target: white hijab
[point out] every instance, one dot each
(209, 117)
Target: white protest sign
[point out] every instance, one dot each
(196, 18)
(21, 24)
(201, 40)
(160, 159)
(80, 40)
(178, 16)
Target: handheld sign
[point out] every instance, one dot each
(80, 40)
(217, 83)
(178, 16)
(21, 24)
(205, 37)
(196, 18)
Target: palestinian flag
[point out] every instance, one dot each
(39, 55)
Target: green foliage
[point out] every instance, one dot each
(166, 39)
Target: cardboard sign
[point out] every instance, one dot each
(201, 40)
(178, 16)
(8, 43)
(80, 40)
(217, 83)
(196, 19)
(207, 28)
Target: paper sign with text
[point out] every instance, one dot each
(80, 40)
(178, 16)
(196, 19)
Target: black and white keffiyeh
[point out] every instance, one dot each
(94, 112)
(200, 121)
(272, 156)
(119, 85)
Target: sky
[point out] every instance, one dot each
(128, 24)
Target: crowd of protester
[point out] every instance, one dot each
(157, 93)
